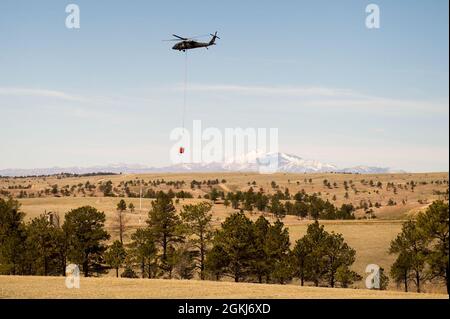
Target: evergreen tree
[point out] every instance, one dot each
(122, 206)
(300, 259)
(216, 261)
(184, 262)
(261, 202)
(143, 249)
(43, 246)
(236, 239)
(384, 280)
(198, 228)
(84, 228)
(121, 219)
(12, 238)
(214, 195)
(401, 270)
(316, 238)
(115, 256)
(346, 277)
(277, 251)
(412, 249)
(260, 262)
(277, 208)
(434, 225)
(321, 256)
(337, 255)
(128, 271)
(164, 225)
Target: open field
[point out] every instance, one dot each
(370, 238)
(54, 287)
(409, 200)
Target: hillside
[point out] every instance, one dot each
(408, 193)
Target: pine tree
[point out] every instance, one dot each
(164, 225)
(236, 239)
(278, 252)
(216, 261)
(12, 238)
(143, 249)
(300, 255)
(316, 238)
(198, 228)
(121, 219)
(277, 208)
(434, 225)
(184, 262)
(411, 246)
(346, 277)
(260, 262)
(337, 255)
(43, 247)
(321, 256)
(401, 270)
(85, 231)
(115, 256)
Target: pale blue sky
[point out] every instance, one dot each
(338, 92)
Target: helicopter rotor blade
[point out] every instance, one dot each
(181, 38)
(190, 38)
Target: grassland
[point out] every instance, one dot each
(370, 238)
(54, 287)
(409, 200)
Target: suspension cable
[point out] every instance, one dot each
(185, 90)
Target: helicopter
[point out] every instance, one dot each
(190, 43)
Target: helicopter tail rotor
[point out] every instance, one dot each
(214, 37)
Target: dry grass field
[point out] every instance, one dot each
(54, 287)
(409, 200)
(370, 238)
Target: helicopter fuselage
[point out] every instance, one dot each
(188, 45)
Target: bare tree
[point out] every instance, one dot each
(121, 219)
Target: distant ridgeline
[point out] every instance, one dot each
(62, 175)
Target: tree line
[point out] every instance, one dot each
(173, 245)
(281, 204)
(185, 245)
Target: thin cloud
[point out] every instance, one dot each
(276, 90)
(325, 97)
(39, 93)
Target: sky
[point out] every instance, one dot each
(112, 90)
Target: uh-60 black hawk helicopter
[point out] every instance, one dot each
(190, 43)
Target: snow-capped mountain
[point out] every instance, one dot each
(251, 162)
(286, 163)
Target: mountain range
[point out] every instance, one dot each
(287, 163)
